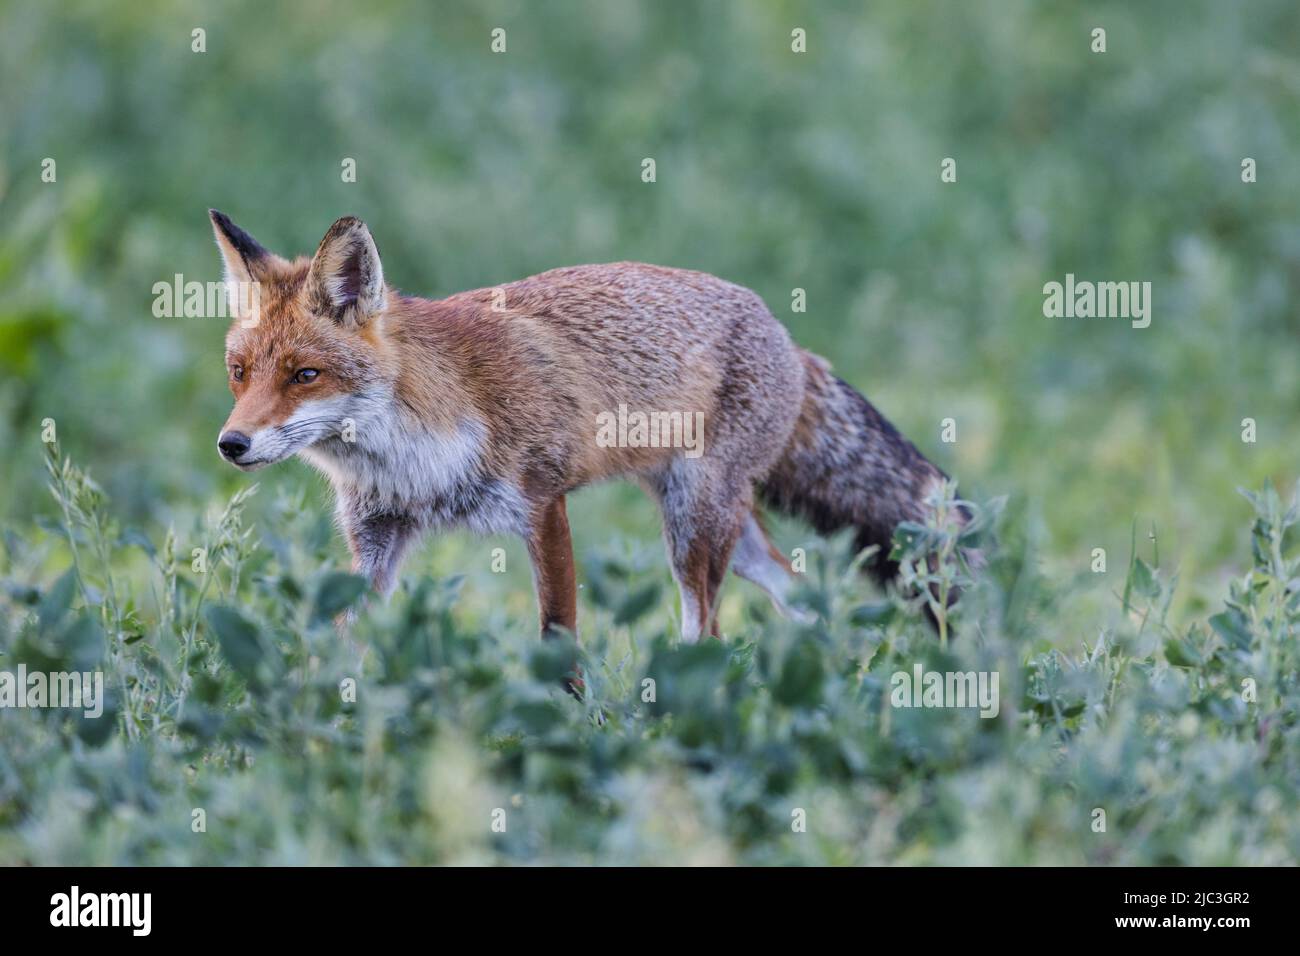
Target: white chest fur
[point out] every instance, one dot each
(436, 479)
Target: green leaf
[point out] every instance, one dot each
(136, 537)
(83, 643)
(54, 605)
(338, 590)
(96, 731)
(537, 716)
(1128, 578)
(554, 658)
(802, 675)
(1232, 626)
(1145, 581)
(636, 604)
(909, 538)
(1180, 653)
(872, 614)
(242, 643)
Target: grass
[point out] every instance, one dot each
(242, 728)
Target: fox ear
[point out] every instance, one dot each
(346, 279)
(244, 257)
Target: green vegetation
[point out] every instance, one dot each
(1173, 709)
(784, 745)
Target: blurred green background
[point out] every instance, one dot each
(817, 171)
(775, 170)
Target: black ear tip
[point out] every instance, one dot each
(245, 244)
(346, 224)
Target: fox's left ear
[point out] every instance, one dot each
(247, 264)
(243, 255)
(346, 280)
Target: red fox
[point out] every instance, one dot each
(481, 410)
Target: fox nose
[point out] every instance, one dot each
(233, 444)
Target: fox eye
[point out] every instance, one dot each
(237, 372)
(305, 375)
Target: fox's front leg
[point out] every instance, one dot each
(551, 551)
(378, 542)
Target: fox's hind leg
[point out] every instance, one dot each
(700, 576)
(702, 520)
(757, 560)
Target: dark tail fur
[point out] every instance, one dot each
(847, 467)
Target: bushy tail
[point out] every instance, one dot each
(847, 467)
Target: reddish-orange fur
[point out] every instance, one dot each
(482, 409)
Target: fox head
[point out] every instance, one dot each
(304, 355)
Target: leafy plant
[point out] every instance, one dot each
(235, 694)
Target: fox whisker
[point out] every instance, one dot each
(297, 428)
